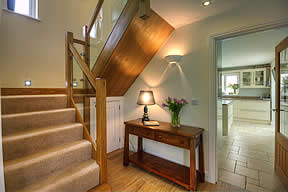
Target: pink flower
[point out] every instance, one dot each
(169, 98)
(163, 105)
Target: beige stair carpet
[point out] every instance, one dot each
(43, 146)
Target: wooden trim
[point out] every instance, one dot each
(144, 9)
(86, 134)
(32, 91)
(83, 65)
(87, 112)
(95, 14)
(101, 128)
(68, 66)
(79, 41)
(119, 29)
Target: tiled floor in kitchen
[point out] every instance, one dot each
(247, 158)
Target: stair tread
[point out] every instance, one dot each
(67, 176)
(5, 116)
(35, 132)
(30, 159)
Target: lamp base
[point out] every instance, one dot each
(145, 117)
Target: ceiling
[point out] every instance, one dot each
(182, 12)
(253, 49)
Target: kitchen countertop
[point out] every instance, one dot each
(226, 102)
(231, 97)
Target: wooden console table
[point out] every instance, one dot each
(184, 137)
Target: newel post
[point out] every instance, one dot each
(101, 141)
(68, 66)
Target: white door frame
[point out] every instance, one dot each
(212, 134)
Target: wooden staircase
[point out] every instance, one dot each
(43, 146)
(46, 143)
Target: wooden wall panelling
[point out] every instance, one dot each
(124, 20)
(145, 38)
(32, 91)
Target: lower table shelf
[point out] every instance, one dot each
(172, 171)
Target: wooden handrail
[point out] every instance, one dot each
(79, 41)
(95, 14)
(83, 65)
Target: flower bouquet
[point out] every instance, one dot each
(175, 105)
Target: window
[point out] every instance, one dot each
(27, 7)
(227, 80)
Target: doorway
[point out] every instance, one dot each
(245, 119)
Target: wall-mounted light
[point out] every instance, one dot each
(27, 83)
(173, 59)
(75, 84)
(206, 3)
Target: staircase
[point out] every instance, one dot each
(43, 146)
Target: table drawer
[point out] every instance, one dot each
(171, 139)
(142, 132)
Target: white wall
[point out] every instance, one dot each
(35, 50)
(191, 79)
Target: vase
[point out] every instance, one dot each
(235, 91)
(175, 119)
(11, 5)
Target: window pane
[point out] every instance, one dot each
(22, 6)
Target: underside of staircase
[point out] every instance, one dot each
(43, 146)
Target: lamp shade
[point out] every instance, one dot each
(146, 98)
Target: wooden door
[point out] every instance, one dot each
(281, 129)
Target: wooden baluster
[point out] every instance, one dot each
(144, 9)
(101, 128)
(68, 66)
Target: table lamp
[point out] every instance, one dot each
(146, 98)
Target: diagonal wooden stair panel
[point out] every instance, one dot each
(130, 47)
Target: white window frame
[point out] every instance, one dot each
(224, 80)
(33, 10)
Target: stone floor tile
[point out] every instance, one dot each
(232, 178)
(252, 173)
(237, 157)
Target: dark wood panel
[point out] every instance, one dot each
(130, 47)
(140, 42)
(186, 131)
(167, 169)
(126, 17)
(32, 91)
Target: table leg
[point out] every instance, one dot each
(193, 176)
(126, 148)
(140, 144)
(201, 160)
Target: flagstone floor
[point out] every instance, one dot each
(247, 157)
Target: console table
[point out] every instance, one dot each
(184, 137)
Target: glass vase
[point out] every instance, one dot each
(175, 119)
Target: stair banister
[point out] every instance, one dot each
(99, 152)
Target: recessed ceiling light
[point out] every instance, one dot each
(206, 3)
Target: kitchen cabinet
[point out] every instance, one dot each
(252, 110)
(246, 79)
(254, 78)
(227, 114)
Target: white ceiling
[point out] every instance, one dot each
(253, 49)
(182, 12)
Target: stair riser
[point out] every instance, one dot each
(24, 146)
(14, 124)
(41, 168)
(80, 179)
(29, 104)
